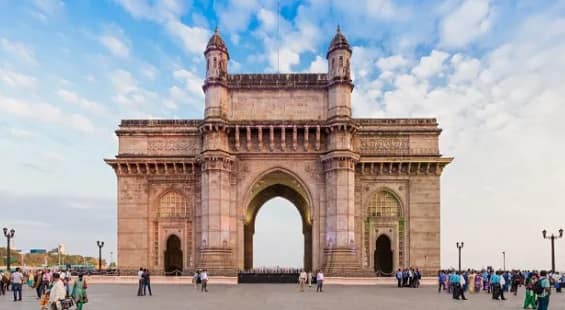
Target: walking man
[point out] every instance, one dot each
(440, 279)
(319, 281)
(17, 280)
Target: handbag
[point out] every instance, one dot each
(84, 299)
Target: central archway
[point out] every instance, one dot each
(277, 184)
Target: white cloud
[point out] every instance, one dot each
(167, 13)
(74, 98)
(16, 79)
(192, 82)
(20, 133)
(392, 63)
(49, 7)
(193, 39)
(44, 112)
(52, 156)
(318, 65)
(115, 46)
(149, 71)
(430, 65)
(129, 93)
(468, 21)
(18, 50)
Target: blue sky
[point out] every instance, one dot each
(490, 71)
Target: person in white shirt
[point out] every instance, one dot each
(141, 283)
(204, 280)
(319, 281)
(57, 292)
(17, 280)
(302, 280)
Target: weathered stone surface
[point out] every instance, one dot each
(354, 181)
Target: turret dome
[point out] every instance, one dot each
(216, 43)
(338, 42)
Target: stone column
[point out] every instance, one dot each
(215, 242)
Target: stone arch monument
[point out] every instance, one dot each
(288, 135)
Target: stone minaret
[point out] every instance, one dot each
(215, 85)
(340, 251)
(339, 76)
(217, 233)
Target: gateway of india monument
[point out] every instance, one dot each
(367, 190)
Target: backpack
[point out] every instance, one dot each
(538, 288)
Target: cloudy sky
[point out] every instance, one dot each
(492, 72)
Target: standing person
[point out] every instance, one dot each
(204, 280)
(471, 283)
(79, 292)
(302, 280)
(530, 298)
(57, 292)
(440, 280)
(196, 278)
(17, 281)
(478, 281)
(37, 283)
(3, 281)
(516, 279)
(543, 290)
(462, 285)
(309, 279)
(146, 282)
(502, 285)
(319, 281)
(399, 277)
(140, 280)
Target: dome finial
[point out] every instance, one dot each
(216, 29)
(338, 28)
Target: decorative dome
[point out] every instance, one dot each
(216, 43)
(338, 42)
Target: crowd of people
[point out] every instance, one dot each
(52, 288)
(409, 277)
(537, 285)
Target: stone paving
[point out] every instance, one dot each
(278, 296)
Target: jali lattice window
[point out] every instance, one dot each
(384, 204)
(173, 204)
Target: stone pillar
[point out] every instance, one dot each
(216, 243)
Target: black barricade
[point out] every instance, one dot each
(269, 278)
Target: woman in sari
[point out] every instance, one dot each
(79, 292)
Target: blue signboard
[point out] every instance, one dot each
(37, 251)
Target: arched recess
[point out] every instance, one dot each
(383, 257)
(277, 183)
(173, 255)
(385, 216)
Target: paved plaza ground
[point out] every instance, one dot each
(278, 296)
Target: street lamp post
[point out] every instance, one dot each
(100, 244)
(9, 234)
(111, 257)
(459, 247)
(552, 238)
(504, 260)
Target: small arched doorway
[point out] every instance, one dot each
(173, 255)
(383, 255)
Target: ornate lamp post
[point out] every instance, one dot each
(9, 234)
(552, 238)
(504, 260)
(100, 244)
(459, 247)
